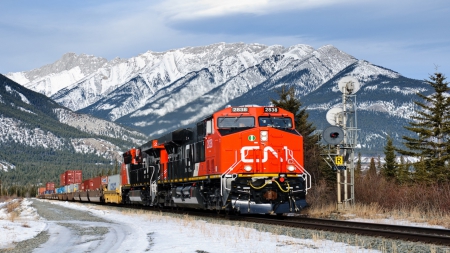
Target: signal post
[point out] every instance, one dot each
(342, 136)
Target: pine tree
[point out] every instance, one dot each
(389, 169)
(116, 167)
(432, 127)
(372, 172)
(422, 174)
(314, 163)
(402, 172)
(379, 163)
(358, 169)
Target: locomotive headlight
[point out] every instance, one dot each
(290, 167)
(264, 136)
(247, 168)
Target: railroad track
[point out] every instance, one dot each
(407, 233)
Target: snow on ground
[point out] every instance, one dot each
(19, 227)
(163, 233)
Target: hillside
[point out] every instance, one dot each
(40, 139)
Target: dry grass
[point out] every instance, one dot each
(12, 208)
(12, 205)
(377, 198)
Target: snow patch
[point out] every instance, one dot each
(12, 92)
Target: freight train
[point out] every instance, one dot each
(243, 159)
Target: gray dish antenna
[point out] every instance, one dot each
(348, 85)
(333, 135)
(335, 116)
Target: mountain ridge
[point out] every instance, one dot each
(161, 91)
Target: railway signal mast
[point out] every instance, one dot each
(342, 140)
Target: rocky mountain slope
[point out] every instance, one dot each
(36, 132)
(160, 91)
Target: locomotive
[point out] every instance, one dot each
(241, 159)
(245, 159)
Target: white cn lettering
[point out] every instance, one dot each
(246, 149)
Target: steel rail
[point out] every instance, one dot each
(407, 233)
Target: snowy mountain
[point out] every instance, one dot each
(161, 91)
(51, 78)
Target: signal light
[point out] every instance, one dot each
(334, 135)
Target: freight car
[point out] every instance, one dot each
(245, 159)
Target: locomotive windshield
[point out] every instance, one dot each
(280, 122)
(235, 122)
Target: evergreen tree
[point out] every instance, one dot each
(379, 163)
(403, 171)
(389, 169)
(432, 128)
(422, 174)
(358, 169)
(116, 167)
(314, 163)
(372, 172)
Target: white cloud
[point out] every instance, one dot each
(182, 9)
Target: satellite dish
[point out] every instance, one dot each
(348, 85)
(335, 116)
(333, 135)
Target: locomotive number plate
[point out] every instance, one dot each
(239, 109)
(270, 109)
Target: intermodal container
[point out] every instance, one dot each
(62, 179)
(71, 188)
(81, 187)
(95, 183)
(41, 190)
(61, 189)
(50, 186)
(113, 182)
(73, 177)
(86, 184)
(104, 180)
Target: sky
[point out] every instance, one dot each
(408, 36)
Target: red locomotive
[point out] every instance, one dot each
(246, 159)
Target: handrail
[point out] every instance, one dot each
(223, 176)
(298, 166)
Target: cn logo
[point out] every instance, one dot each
(247, 149)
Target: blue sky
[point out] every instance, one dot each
(410, 37)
